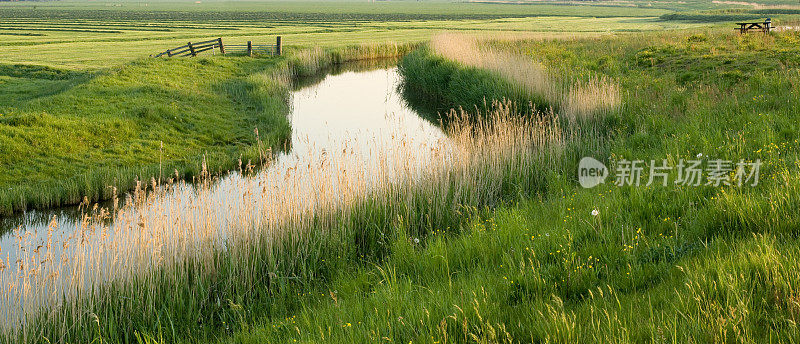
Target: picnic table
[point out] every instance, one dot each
(763, 27)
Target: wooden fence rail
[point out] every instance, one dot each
(192, 49)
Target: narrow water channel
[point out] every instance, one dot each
(350, 130)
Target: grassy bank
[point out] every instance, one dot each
(147, 119)
(201, 287)
(462, 71)
(501, 244)
(87, 135)
(436, 85)
(655, 264)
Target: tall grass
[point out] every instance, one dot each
(655, 264)
(573, 99)
(311, 61)
(183, 263)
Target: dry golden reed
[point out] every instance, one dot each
(575, 100)
(162, 228)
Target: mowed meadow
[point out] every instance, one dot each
(98, 34)
(484, 237)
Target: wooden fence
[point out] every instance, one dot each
(192, 49)
(260, 49)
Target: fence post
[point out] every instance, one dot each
(249, 48)
(278, 46)
(191, 48)
(221, 47)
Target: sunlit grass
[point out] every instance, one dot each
(572, 99)
(610, 264)
(494, 242)
(162, 256)
(156, 115)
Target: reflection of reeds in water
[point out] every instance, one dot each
(574, 99)
(177, 246)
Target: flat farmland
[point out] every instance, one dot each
(92, 35)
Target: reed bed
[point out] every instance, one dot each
(310, 61)
(174, 254)
(574, 99)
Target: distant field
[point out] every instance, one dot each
(99, 34)
(381, 10)
(92, 35)
(98, 44)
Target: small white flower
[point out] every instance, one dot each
(416, 241)
(595, 212)
(699, 155)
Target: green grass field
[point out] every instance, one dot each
(57, 56)
(535, 259)
(154, 114)
(657, 264)
(93, 43)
